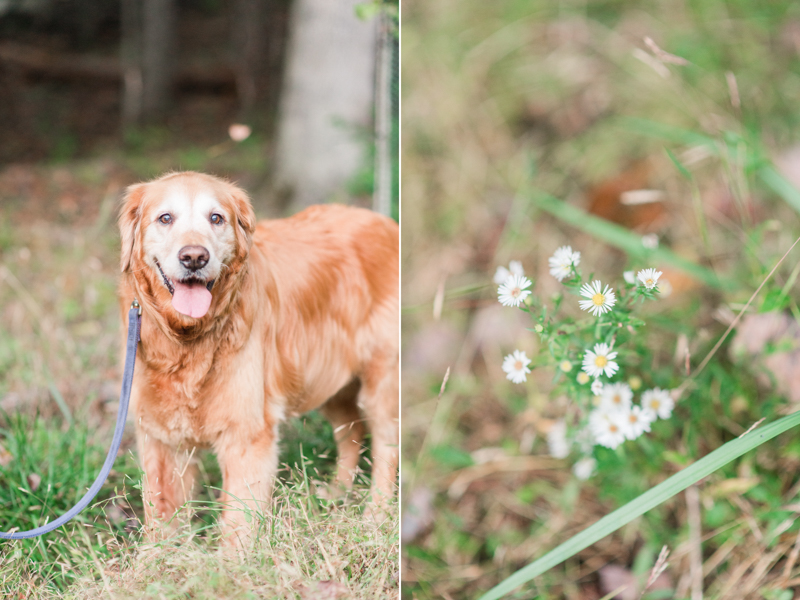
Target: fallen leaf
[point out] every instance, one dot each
(772, 341)
(5, 457)
(417, 514)
(33, 481)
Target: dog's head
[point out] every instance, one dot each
(185, 233)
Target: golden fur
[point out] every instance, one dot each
(304, 315)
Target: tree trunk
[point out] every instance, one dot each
(250, 50)
(148, 54)
(325, 118)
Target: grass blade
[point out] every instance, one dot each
(780, 185)
(625, 240)
(662, 131)
(650, 499)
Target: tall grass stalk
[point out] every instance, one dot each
(650, 499)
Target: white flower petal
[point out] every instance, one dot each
(515, 366)
(513, 292)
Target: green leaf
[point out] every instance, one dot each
(367, 10)
(650, 499)
(774, 300)
(449, 456)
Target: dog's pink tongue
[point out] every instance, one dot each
(191, 299)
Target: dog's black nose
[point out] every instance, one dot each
(193, 257)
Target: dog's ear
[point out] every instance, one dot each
(129, 216)
(245, 221)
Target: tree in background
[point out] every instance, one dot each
(327, 96)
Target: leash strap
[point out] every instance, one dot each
(134, 324)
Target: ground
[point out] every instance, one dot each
(510, 111)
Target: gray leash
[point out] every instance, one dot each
(134, 324)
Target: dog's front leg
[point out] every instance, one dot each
(248, 468)
(169, 477)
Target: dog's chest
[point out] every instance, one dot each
(175, 420)
(176, 409)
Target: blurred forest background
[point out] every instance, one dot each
(608, 126)
(294, 100)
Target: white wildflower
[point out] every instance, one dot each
(557, 442)
(563, 262)
(516, 366)
(582, 378)
(600, 361)
(502, 274)
(658, 403)
(629, 277)
(565, 366)
(513, 292)
(636, 421)
(616, 396)
(584, 468)
(649, 277)
(598, 302)
(650, 241)
(597, 387)
(608, 428)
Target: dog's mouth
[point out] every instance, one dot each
(191, 296)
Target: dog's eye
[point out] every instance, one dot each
(166, 219)
(217, 219)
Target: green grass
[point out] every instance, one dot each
(106, 537)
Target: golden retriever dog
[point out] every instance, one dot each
(245, 324)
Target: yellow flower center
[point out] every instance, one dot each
(613, 428)
(617, 399)
(518, 365)
(654, 404)
(566, 366)
(515, 292)
(649, 283)
(632, 418)
(599, 299)
(600, 361)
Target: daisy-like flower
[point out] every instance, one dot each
(557, 442)
(616, 396)
(597, 387)
(598, 302)
(608, 428)
(502, 274)
(637, 421)
(600, 361)
(649, 277)
(584, 468)
(565, 366)
(513, 292)
(650, 241)
(658, 403)
(629, 277)
(563, 262)
(582, 378)
(516, 366)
